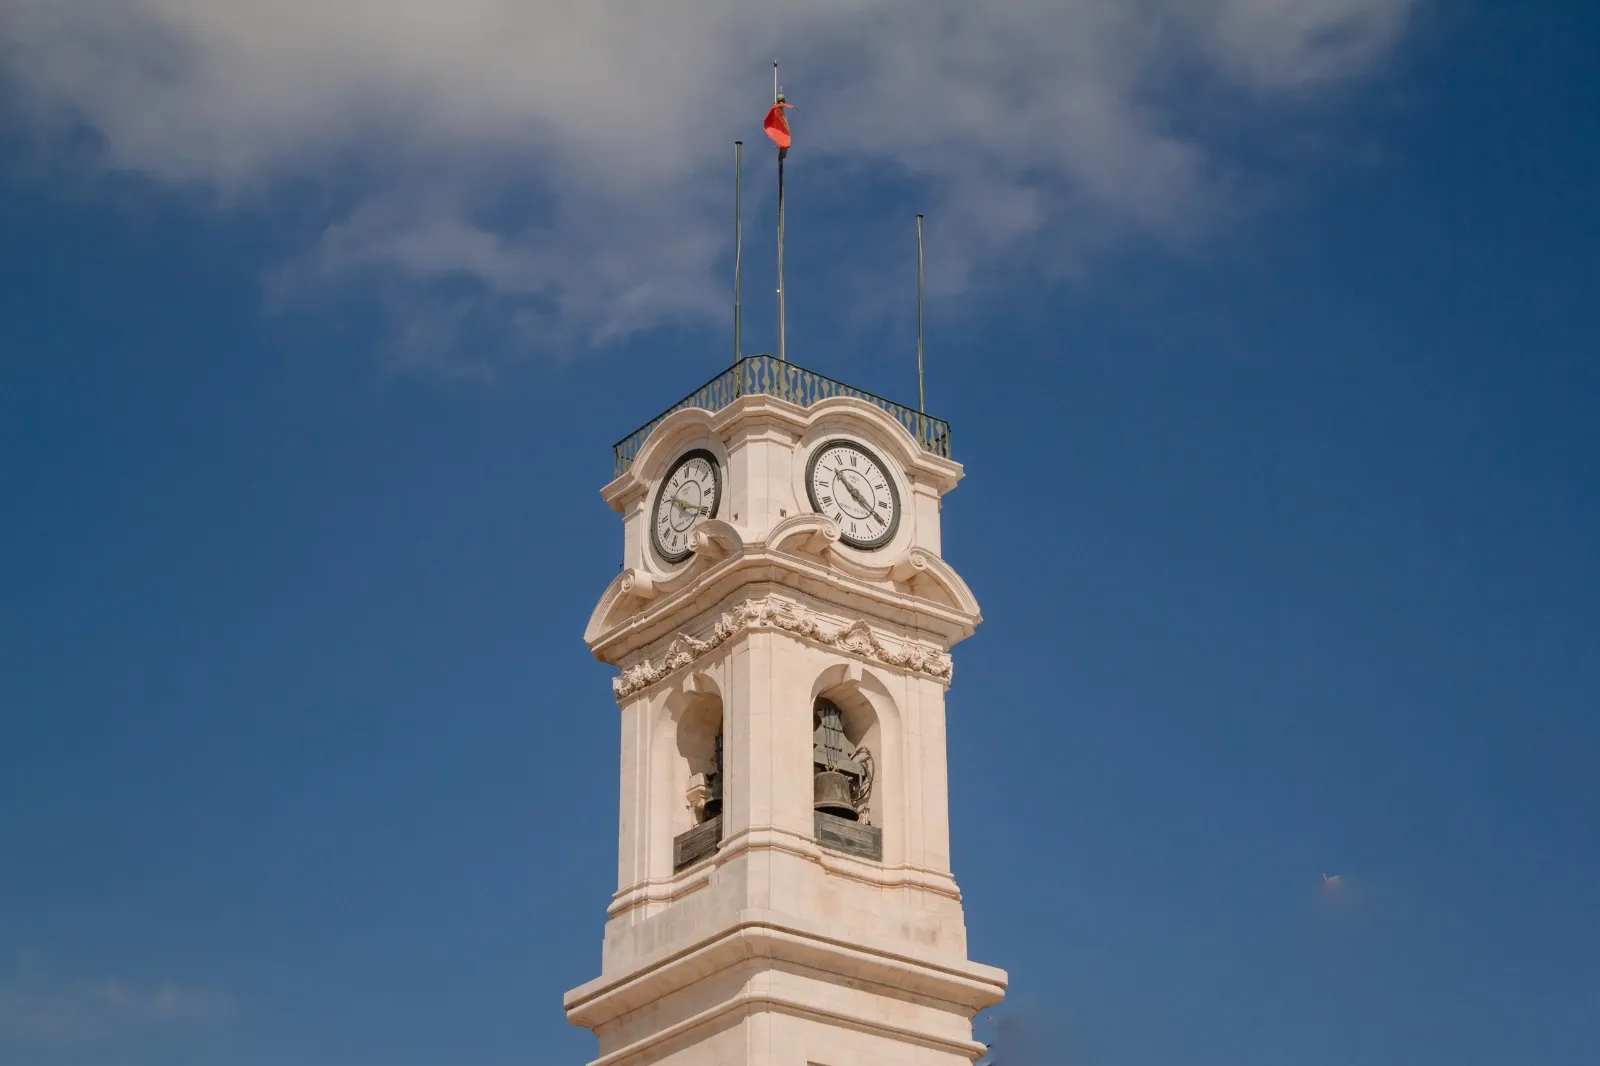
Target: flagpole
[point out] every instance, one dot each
(777, 97)
(922, 403)
(738, 250)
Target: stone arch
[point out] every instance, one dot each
(686, 771)
(872, 718)
(681, 429)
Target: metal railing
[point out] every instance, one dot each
(765, 375)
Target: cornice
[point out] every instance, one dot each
(919, 590)
(752, 1001)
(763, 408)
(766, 935)
(855, 638)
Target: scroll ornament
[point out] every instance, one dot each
(856, 639)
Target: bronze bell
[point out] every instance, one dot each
(714, 795)
(830, 794)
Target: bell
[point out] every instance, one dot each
(830, 794)
(714, 796)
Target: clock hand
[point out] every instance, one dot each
(851, 489)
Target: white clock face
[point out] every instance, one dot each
(853, 487)
(688, 496)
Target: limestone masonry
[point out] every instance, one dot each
(782, 627)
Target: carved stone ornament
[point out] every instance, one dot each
(855, 639)
(697, 795)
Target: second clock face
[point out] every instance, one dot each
(853, 487)
(689, 494)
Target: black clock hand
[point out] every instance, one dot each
(851, 489)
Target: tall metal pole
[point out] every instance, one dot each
(922, 403)
(738, 250)
(777, 96)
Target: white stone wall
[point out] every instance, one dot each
(767, 681)
(763, 445)
(776, 950)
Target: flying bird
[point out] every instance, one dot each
(1330, 880)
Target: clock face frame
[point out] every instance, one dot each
(841, 466)
(691, 479)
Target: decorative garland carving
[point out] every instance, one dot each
(856, 639)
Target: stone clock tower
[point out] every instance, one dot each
(782, 625)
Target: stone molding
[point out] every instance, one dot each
(777, 838)
(758, 934)
(770, 412)
(855, 638)
(804, 546)
(756, 1001)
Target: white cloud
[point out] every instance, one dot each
(568, 158)
(1278, 45)
(33, 1005)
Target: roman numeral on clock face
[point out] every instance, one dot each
(689, 494)
(851, 485)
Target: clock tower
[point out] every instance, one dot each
(782, 627)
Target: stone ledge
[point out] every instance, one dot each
(762, 1001)
(964, 985)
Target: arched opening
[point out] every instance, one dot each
(699, 775)
(700, 745)
(844, 774)
(841, 769)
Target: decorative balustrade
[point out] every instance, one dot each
(765, 375)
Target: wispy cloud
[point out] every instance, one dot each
(558, 168)
(39, 1006)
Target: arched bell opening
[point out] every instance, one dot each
(841, 769)
(699, 780)
(700, 745)
(844, 776)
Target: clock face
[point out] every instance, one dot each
(853, 487)
(688, 496)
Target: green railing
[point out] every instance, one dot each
(765, 375)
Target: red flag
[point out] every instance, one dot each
(776, 125)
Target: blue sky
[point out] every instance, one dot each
(1268, 333)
